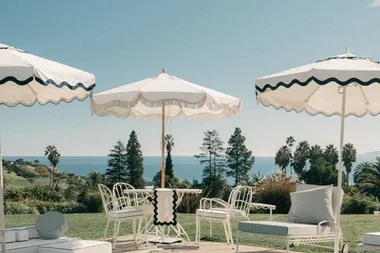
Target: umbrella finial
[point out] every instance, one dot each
(347, 51)
(163, 70)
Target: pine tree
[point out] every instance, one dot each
(116, 171)
(212, 157)
(171, 181)
(135, 160)
(169, 169)
(239, 158)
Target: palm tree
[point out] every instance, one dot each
(94, 178)
(349, 157)
(54, 157)
(367, 177)
(301, 154)
(282, 158)
(315, 152)
(331, 154)
(290, 143)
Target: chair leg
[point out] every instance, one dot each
(230, 233)
(210, 229)
(105, 232)
(198, 231)
(287, 245)
(237, 242)
(134, 230)
(115, 234)
(226, 232)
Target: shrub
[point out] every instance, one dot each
(42, 170)
(359, 203)
(92, 201)
(70, 193)
(275, 189)
(19, 208)
(42, 193)
(71, 207)
(41, 207)
(190, 202)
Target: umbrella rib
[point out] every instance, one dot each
(307, 99)
(365, 98)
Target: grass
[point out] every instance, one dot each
(91, 226)
(16, 181)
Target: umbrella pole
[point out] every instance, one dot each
(337, 218)
(2, 219)
(163, 148)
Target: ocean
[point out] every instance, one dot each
(184, 166)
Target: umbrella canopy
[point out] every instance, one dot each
(341, 85)
(25, 79)
(317, 87)
(144, 100)
(165, 97)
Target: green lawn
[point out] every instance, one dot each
(91, 226)
(15, 181)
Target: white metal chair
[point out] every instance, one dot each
(127, 196)
(218, 210)
(118, 213)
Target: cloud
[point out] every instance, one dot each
(374, 3)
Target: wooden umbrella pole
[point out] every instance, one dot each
(163, 148)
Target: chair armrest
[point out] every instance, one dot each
(263, 206)
(324, 222)
(212, 201)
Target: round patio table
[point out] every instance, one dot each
(159, 231)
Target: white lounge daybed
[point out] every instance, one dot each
(370, 243)
(63, 244)
(310, 220)
(27, 240)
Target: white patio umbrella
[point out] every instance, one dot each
(164, 97)
(25, 79)
(342, 85)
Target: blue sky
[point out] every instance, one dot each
(224, 45)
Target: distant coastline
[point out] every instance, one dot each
(185, 166)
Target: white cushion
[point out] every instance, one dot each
(312, 206)
(22, 234)
(231, 212)
(79, 246)
(281, 228)
(335, 203)
(372, 238)
(31, 246)
(10, 235)
(32, 232)
(129, 212)
(214, 214)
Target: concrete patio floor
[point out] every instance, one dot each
(125, 245)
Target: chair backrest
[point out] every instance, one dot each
(107, 198)
(241, 198)
(125, 195)
(233, 194)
